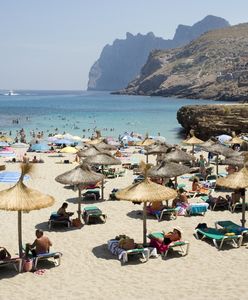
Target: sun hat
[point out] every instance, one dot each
(179, 229)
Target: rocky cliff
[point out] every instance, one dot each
(210, 120)
(121, 62)
(214, 66)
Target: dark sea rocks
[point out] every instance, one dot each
(210, 120)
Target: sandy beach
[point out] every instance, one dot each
(88, 269)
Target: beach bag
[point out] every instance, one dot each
(27, 265)
(76, 222)
(126, 243)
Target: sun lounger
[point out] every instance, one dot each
(197, 209)
(218, 236)
(54, 219)
(113, 246)
(92, 194)
(168, 211)
(232, 227)
(215, 202)
(15, 262)
(55, 255)
(182, 245)
(93, 212)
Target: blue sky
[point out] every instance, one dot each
(51, 44)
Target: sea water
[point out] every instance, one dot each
(79, 113)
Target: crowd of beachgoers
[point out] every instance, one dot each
(177, 197)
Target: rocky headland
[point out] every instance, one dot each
(122, 61)
(210, 120)
(214, 66)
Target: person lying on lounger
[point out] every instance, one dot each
(4, 253)
(162, 244)
(40, 245)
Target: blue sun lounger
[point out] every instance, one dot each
(218, 236)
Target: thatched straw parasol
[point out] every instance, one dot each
(177, 155)
(82, 175)
(193, 140)
(157, 148)
(102, 159)
(92, 150)
(234, 161)
(237, 180)
(168, 169)
(21, 198)
(102, 146)
(207, 144)
(235, 139)
(146, 191)
(219, 149)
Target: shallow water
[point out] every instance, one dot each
(75, 111)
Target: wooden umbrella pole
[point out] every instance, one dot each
(79, 202)
(217, 164)
(193, 150)
(146, 158)
(243, 220)
(102, 187)
(144, 224)
(20, 232)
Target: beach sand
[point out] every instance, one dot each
(88, 269)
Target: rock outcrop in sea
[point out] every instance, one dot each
(121, 62)
(210, 120)
(214, 66)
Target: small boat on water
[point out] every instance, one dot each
(10, 93)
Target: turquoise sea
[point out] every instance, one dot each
(73, 111)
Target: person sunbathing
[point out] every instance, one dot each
(153, 207)
(162, 244)
(63, 214)
(4, 253)
(40, 245)
(181, 202)
(196, 185)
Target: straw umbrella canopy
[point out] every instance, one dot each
(219, 149)
(102, 159)
(168, 169)
(21, 198)
(193, 140)
(235, 161)
(157, 148)
(104, 146)
(92, 150)
(235, 139)
(146, 191)
(82, 175)
(177, 155)
(95, 141)
(207, 144)
(236, 181)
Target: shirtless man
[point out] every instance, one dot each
(40, 245)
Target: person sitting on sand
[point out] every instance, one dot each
(4, 253)
(40, 245)
(63, 214)
(162, 244)
(35, 160)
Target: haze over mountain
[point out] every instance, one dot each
(121, 62)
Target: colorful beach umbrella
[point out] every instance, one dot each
(9, 176)
(69, 149)
(40, 147)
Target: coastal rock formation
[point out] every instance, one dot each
(211, 120)
(214, 66)
(121, 62)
